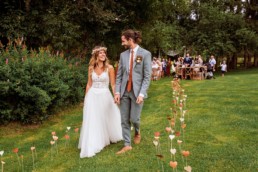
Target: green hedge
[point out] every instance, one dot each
(34, 85)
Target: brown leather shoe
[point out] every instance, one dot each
(137, 139)
(124, 149)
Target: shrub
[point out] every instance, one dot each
(34, 85)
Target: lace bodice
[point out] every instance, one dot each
(100, 81)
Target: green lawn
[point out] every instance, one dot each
(221, 132)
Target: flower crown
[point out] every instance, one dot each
(98, 49)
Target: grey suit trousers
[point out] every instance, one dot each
(130, 114)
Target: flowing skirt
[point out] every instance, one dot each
(101, 122)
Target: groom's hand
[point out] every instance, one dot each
(139, 100)
(117, 98)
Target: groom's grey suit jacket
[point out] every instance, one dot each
(141, 72)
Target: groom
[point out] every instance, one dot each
(132, 82)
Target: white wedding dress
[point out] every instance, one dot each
(101, 118)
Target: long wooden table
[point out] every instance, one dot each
(194, 72)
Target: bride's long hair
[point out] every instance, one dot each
(94, 58)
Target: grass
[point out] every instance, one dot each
(221, 132)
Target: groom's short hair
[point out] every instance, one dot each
(134, 34)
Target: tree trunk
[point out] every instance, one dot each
(228, 61)
(249, 60)
(233, 62)
(255, 60)
(245, 59)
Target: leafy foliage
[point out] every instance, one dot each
(34, 85)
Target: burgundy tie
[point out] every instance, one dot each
(129, 84)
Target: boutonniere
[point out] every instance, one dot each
(138, 59)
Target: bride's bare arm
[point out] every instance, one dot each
(89, 83)
(111, 72)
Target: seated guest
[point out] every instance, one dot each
(187, 60)
(200, 61)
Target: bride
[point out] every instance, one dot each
(101, 117)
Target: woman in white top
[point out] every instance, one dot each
(101, 116)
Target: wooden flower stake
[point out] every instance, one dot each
(1, 154)
(171, 137)
(161, 161)
(183, 128)
(184, 112)
(156, 143)
(168, 130)
(157, 146)
(184, 106)
(184, 99)
(76, 130)
(173, 153)
(186, 154)
(16, 150)
(175, 114)
(32, 153)
(22, 164)
(67, 136)
(181, 108)
(67, 140)
(51, 150)
(2, 162)
(55, 138)
(179, 142)
(177, 101)
(168, 118)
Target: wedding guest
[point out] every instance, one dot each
(164, 65)
(168, 67)
(155, 69)
(187, 60)
(160, 67)
(223, 68)
(212, 62)
(200, 61)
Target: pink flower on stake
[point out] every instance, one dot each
(177, 133)
(76, 130)
(179, 141)
(53, 133)
(168, 129)
(185, 153)
(55, 138)
(67, 137)
(173, 164)
(16, 150)
(156, 135)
